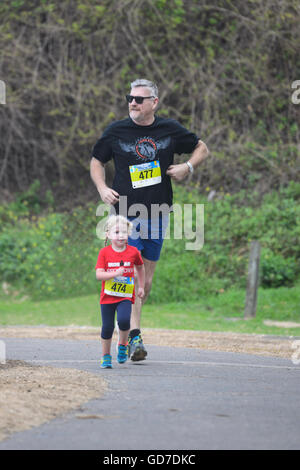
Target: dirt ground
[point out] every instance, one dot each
(31, 395)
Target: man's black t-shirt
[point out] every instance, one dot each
(142, 155)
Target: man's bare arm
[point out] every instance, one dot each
(97, 171)
(181, 171)
(199, 154)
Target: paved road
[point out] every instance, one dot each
(177, 399)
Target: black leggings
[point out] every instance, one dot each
(108, 317)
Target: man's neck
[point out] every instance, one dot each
(146, 122)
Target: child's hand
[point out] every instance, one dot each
(141, 292)
(120, 271)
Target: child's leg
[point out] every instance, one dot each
(106, 346)
(123, 318)
(108, 318)
(123, 337)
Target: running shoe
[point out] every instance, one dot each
(106, 362)
(137, 349)
(122, 353)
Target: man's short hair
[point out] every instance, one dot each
(142, 82)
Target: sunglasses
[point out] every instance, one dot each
(138, 99)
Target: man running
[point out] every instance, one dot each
(143, 147)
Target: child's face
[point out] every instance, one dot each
(118, 234)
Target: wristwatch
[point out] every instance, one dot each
(191, 168)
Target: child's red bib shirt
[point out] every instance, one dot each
(121, 288)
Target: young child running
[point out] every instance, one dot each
(115, 268)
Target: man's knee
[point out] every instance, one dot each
(148, 285)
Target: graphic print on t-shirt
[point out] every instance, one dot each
(145, 148)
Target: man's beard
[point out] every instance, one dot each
(136, 115)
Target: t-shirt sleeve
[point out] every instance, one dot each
(102, 150)
(101, 260)
(185, 141)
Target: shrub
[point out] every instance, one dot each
(277, 271)
(53, 255)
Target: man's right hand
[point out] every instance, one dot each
(109, 195)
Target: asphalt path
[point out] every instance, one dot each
(178, 398)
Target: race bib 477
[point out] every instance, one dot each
(145, 174)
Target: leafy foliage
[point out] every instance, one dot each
(53, 255)
(277, 271)
(224, 69)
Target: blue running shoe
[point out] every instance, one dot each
(122, 353)
(137, 349)
(106, 362)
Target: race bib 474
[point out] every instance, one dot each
(120, 286)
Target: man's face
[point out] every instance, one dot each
(144, 112)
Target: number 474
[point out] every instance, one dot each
(118, 287)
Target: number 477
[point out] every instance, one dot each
(144, 174)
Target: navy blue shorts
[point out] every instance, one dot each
(148, 236)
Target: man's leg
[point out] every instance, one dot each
(135, 322)
(150, 245)
(137, 350)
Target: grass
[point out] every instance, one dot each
(220, 312)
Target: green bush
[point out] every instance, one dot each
(53, 255)
(277, 271)
(242, 50)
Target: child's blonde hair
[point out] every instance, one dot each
(113, 220)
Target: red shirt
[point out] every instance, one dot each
(110, 260)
